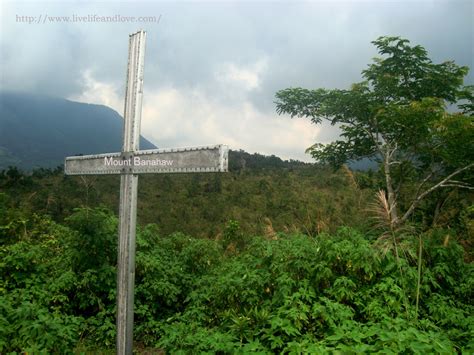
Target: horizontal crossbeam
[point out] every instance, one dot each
(178, 160)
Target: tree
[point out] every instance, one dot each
(398, 115)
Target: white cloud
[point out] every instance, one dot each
(178, 118)
(96, 92)
(247, 77)
(187, 118)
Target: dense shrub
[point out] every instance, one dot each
(286, 293)
(300, 294)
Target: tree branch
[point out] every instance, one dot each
(425, 180)
(458, 185)
(443, 183)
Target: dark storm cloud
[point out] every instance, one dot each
(269, 45)
(306, 44)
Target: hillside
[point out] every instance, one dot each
(259, 191)
(39, 131)
(283, 250)
(262, 193)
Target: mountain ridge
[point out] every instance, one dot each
(40, 131)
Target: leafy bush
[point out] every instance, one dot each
(330, 293)
(290, 293)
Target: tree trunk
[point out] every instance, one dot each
(390, 191)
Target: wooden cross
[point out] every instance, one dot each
(129, 163)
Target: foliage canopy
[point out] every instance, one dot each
(398, 116)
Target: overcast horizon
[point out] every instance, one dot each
(212, 68)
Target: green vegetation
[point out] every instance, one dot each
(398, 115)
(265, 193)
(277, 275)
(273, 257)
(285, 292)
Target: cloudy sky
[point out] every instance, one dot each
(212, 68)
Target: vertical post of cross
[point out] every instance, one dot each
(128, 194)
(205, 159)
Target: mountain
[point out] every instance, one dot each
(40, 131)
